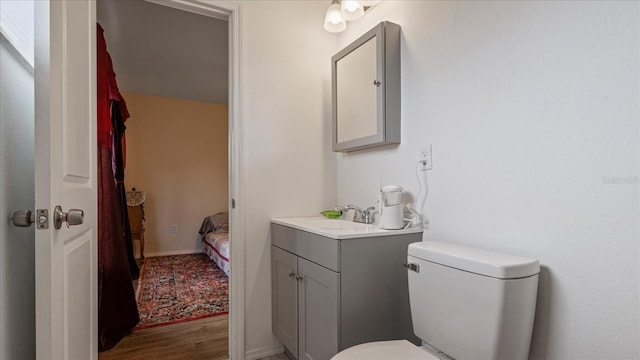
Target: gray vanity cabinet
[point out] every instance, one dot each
(305, 306)
(330, 294)
(284, 267)
(318, 309)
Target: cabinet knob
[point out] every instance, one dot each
(298, 277)
(292, 274)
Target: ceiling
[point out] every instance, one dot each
(161, 51)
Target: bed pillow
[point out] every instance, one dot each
(217, 223)
(220, 222)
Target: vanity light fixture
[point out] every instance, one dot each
(351, 10)
(333, 21)
(339, 12)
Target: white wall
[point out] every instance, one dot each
(288, 165)
(532, 110)
(17, 277)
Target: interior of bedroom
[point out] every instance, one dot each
(177, 154)
(177, 135)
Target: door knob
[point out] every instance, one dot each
(23, 218)
(73, 217)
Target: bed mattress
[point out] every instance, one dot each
(216, 246)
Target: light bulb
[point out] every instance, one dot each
(333, 21)
(351, 10)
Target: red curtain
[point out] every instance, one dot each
(117, 309)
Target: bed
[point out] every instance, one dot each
(215, 239)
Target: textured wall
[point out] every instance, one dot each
(177, 153)
(288, 166)
(532, 110)
(17, 266)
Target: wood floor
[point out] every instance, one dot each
(199, 339)
(192, 340)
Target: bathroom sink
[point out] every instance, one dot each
(339, 228)
(336, 224)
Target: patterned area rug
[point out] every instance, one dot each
(180, 288)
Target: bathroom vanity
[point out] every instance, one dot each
(337, 283)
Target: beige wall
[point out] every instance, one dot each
(177, 153)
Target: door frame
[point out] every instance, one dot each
(230, 11)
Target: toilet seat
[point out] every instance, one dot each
(384, 350)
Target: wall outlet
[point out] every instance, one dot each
(425, 158)
(174, 228)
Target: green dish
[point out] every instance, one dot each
(331, 214)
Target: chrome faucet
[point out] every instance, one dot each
(359, 215)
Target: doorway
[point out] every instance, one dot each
(149, 87)
(51, 329)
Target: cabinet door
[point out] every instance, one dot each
(284, 302)
(318, 299)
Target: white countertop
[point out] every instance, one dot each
(339, 228)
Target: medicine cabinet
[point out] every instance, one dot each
(366, 90)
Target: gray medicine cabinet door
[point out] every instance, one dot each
(285, 300)
(318, 299)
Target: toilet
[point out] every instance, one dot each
(466, 304)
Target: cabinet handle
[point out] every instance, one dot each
(292, 274)
(298, 277)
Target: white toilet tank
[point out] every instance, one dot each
(472, 304)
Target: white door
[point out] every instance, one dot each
(65, 171)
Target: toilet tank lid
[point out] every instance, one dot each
(483, 262)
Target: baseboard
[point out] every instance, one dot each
(169, 253)
(263, 352)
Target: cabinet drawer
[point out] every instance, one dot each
(318, 249)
